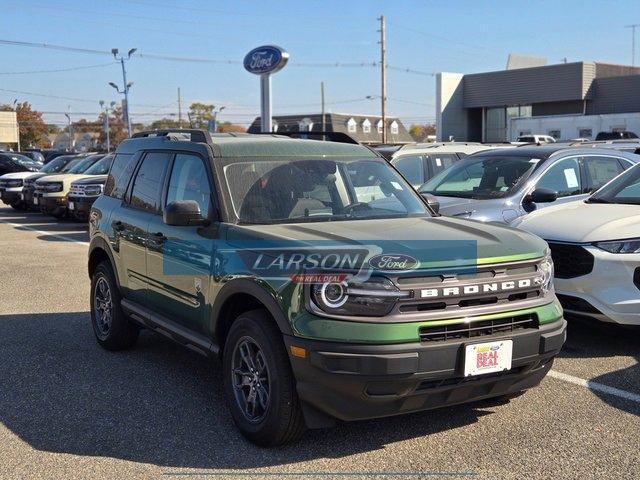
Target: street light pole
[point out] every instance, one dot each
(383, 79)
(70, 132)
(126, 85)
(633, 42)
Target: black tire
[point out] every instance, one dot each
(281, 421)
(113, 331)
(19, 206)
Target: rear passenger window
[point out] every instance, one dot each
(441, 162)
(602, 169)
(119, 175)
(189, 181)
(147, 185)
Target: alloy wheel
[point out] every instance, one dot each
(250, 379)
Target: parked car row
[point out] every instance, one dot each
(64, 187)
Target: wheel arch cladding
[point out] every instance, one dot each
(99, 252)
(243, 295)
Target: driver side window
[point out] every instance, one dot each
(563, 177)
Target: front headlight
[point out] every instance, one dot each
(93, 190)
(620, 246)
(545, 269)
(372, 298)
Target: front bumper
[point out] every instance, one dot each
(607, 293)
(80, 207)
(50, 205)
(356, 381)
(10, 196)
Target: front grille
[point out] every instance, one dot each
(576, 304)
(76, 190)
(570, 261)
(480, 328)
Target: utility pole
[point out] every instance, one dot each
(106, 123)
(383, 78)
(324, 126)
(70, 129)
(126, 85)
(633, 42)
(179, 109)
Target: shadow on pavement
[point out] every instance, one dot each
(157, 403)
(588, 338)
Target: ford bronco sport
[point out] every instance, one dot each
(250, 247)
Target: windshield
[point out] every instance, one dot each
(286, 191)
(21, 159)
(625, 188)
(57, 164)
(83, 164)
(482, 178)
(101, 167)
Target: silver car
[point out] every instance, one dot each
(502, 185)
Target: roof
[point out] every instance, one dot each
(533, 151)
(244, 144)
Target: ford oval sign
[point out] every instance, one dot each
(393, 262)
(265, 60)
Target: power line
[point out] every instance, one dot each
(70, 69)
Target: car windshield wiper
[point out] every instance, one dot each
(597, 200)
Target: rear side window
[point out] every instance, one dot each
(147, 185)
(602, 169)
(441, 162)
(119, 175)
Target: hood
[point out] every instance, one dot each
(483, 210)
(495, 243)
(584, 222)
(91, 180)
(65, 178)
(36, 176)
(16, 175)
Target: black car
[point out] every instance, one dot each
(34, 155)
(615, 135)
(14, 162)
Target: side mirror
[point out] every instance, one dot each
(183, 213)
(432, 201)
(542, 195)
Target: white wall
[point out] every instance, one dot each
(8, 128)
(570, 125)
(451, 117)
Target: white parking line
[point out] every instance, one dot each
(595, 386)
(42, 232)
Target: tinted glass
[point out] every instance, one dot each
(286, 191)
(411, 168)
(189, 181)
(75, 161)
(85, 163)
(602, 169)
(624, 189)
(148, 182)
(119, 175)
(482, 178)
(101, 167)
(563, 177)
(441, 162)
(57, 164)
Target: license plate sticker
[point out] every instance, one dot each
(71, 206)
(35, 200)
(489, 357)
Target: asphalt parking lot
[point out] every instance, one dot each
(69, 409)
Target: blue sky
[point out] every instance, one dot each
(427, 36)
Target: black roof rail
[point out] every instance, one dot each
(192, 134)
(339, 137)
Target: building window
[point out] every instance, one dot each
(305, 125)
(585, 133)
(379, 126)
(351, 125)
(366, 126)
(557, 134)
(394, 128)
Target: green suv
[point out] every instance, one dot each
(328, 288)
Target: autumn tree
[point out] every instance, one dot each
(228, 127)
(32, 129)
(164, 123)
(200, 114)
(421, 132)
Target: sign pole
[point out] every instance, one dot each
(265, 61)
(265, 103)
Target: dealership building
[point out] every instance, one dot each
(566, 101)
